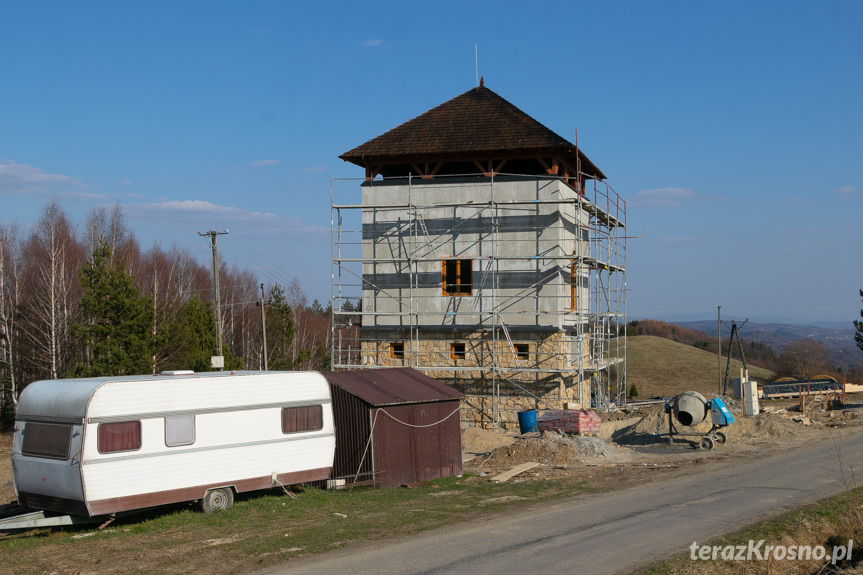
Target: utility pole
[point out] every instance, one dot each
(734, 331)
(719, 345)
(216, 295)
(264, 327)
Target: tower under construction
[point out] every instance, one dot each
(487, 252)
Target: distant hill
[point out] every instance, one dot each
(661, 367)
(840, 344)
(756, 353)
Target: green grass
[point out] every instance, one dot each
(828, 522)
(266, 529)
(661, 367)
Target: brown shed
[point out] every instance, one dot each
(394, 426)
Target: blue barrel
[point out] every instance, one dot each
(527, 421)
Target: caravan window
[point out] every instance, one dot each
(47, 440)
(120, 436)
(306, 418)
(179, 430)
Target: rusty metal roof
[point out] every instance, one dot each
(392, 386)
(476, 123)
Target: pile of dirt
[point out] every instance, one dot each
(766, 426)
(553, 449)
(654, 423)
(477, 441)
(622, 414)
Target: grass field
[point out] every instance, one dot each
(830, 523)
(661, 367)
(262, 530)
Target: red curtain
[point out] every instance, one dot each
(120, 436)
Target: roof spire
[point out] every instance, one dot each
(481, 82)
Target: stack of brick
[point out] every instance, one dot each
(570, 421)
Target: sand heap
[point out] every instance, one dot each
(552, 449)
(654, 424)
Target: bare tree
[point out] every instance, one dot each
(53, 258)
(804, 359)
(9, 293)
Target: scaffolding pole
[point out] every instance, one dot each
(386, 258)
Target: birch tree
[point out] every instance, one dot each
(9, 292)
(52, 255)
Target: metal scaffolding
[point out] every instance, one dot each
(557, 335)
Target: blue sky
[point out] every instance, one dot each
(734, 130)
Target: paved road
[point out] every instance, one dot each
(612, 532)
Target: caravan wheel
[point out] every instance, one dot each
(217, 500)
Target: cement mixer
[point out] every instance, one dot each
(691, 408)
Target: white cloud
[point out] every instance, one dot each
(662, 197)
(126, 182)
(374, 43)
(264, 163)
(207, 215)
(847, 190)
(17, 174)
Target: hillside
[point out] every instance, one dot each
(661, 367)
(839, 342)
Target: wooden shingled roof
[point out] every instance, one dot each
(476, 125)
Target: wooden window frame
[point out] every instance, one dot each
(397, 350)
(457, 350)
(48, 440)
(302, 419)
(118, 436)
(457, 277)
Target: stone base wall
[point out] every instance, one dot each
(543, 377)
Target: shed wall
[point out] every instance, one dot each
(412, 454)
(352, 434)
(400, 453)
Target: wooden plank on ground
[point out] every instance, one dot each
(506, 475)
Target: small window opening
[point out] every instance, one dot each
(522, 351)
(457, 351)
(457, 277)
(397, 350)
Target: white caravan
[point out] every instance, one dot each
(99, 446)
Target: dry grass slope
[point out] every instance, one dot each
(661, 367)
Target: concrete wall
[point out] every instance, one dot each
(529, 263)
(524, 271)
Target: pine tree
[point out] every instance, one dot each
(191, 337)
(117, 328)
(280, 330)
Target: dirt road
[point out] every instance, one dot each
(616, 531)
